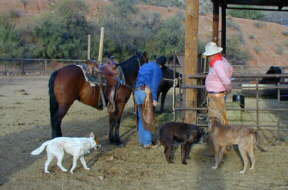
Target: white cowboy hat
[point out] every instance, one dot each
(211, 48)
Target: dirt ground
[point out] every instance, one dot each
(25, 125)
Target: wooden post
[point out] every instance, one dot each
(216, 21)
(89, 47)
(101, 46)
(191, 56)
(223, 25)
(100, 62)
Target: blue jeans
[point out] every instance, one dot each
(144, 136)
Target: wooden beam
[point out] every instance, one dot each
(89, 47)
(280, 9)
(216, 22)
(191, 56)
(223, 26)
(259, 2)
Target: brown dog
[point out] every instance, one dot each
(223, 136)
(173, 134)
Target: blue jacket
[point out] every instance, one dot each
(150, 74)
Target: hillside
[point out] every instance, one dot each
(267, 43)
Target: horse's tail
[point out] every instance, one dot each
(53, 101)
(40, 149)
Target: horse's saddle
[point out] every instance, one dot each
(91, 73)
(102, 74)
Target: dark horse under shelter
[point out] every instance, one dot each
(68, 84)
(167, 83)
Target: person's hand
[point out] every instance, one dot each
(228, 91)
(155, 103)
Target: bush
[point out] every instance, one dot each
(251, 37)
(231, 24)
(10, 40)
(164, 3)
(248, 14)
(259, 24)
(258, 49)
(279, 50)
(285, 33)
(169, 38)
(235, 53)
(63, 34)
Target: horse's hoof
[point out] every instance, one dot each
(118, 142)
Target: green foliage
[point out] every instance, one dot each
(258, 49)
(279, 50)
(165, 3)
(248, 14)
(285, 33)
(235, 53)
(123, 31)
(231, 24)
(168, 39)
(64, 33)
(259, 24)
(10, 41)
(132, 31)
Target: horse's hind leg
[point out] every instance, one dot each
(56, 120)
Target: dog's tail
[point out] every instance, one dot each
(40, 149)
(256, 135)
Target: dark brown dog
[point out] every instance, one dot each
(223, 136)
(173, 134)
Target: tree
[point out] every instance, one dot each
(10, 41)
(169, 38)
(63, 34)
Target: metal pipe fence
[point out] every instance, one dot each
(239, 86)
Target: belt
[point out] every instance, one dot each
(211, 92)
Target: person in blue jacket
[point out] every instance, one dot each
(150, 75)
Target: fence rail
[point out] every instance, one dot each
(19, 66)
(239, 87)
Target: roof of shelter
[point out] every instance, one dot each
(278, 3)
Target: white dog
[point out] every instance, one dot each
(76, 146)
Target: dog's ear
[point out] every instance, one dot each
(92, 135)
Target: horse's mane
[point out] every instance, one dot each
(130, 63)
(130, 68)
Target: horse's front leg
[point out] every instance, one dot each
(163, 96)
(112, 124)
(114, 136)
(115, 120)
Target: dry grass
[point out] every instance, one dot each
(25, 124)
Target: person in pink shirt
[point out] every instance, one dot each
(218, 82)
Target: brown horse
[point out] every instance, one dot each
(68, 84)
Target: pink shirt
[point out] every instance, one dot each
(219, 76)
